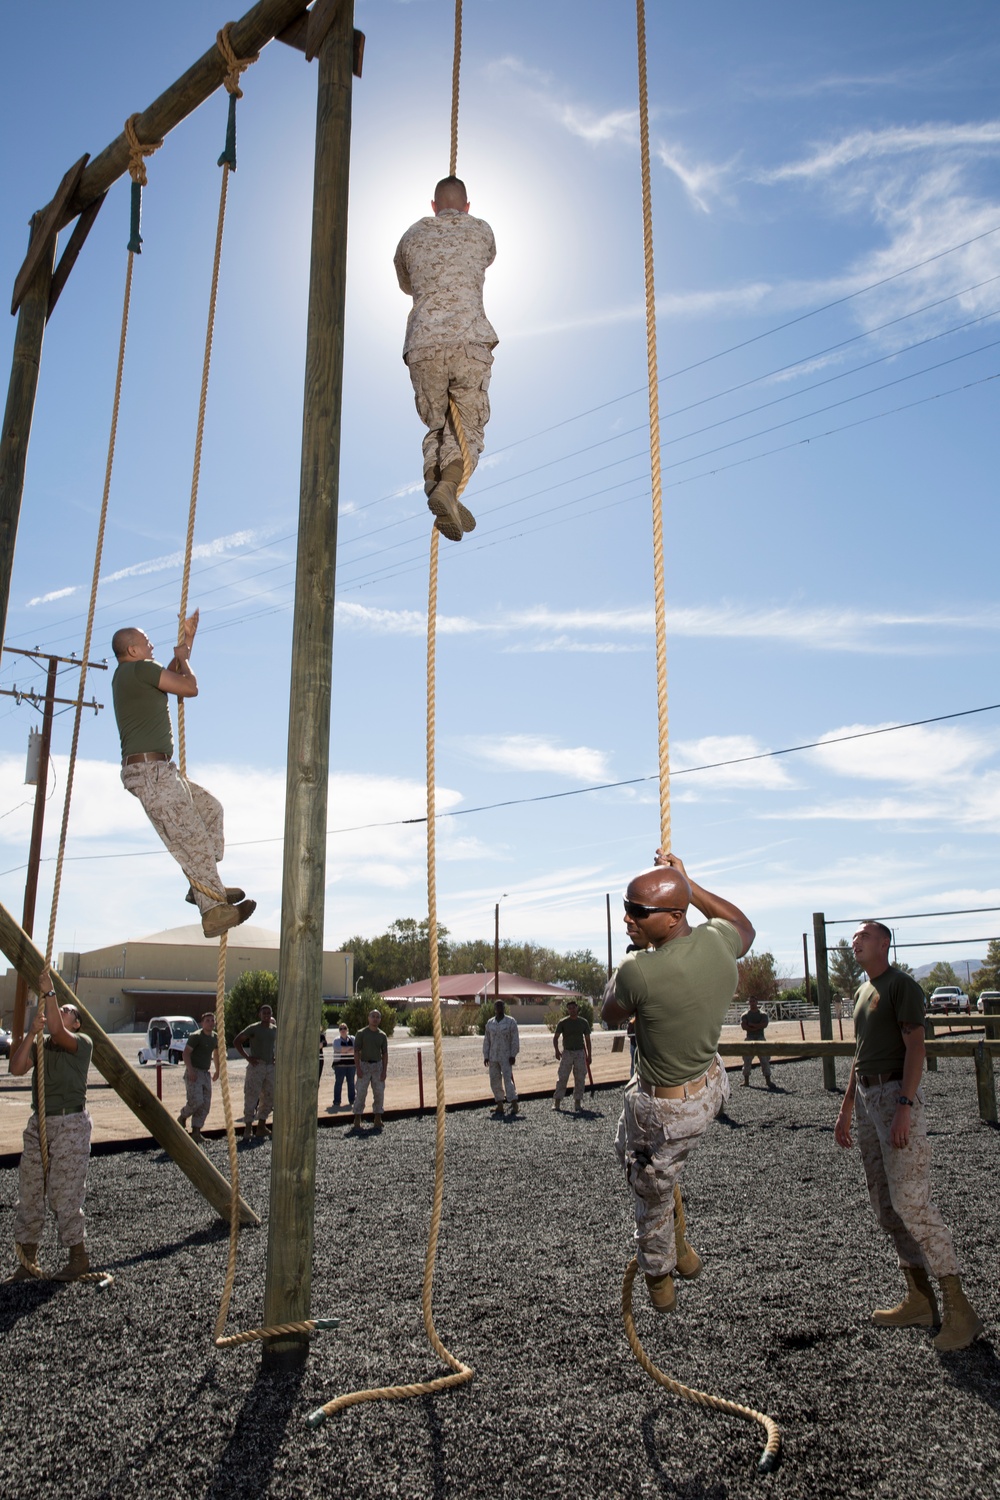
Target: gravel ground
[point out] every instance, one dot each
(128, 1396)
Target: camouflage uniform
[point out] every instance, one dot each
(898, 1180)
(441, 262)
(501, 1044)
(198, 1100)
(69, 1155)
(188, 820)
(577, 1062)
(368, 1073)
(258, 1091)
(653, 1141)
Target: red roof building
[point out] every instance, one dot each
(478, 987)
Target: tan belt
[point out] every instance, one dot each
(870, 1080)
(680, 1090)
(142, 755)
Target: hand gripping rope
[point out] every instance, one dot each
(138, 151)
(460, 1372)
(772, 1452)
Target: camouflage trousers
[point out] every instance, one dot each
(655, 1137)
(69, 1154)
(188, 820)
(899, 1181)
(765, 1065)
(258, 1091)
(577, 1062)
(199, 1098)
(464, 375)
(369, 1073)
(502, 1081)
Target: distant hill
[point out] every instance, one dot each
(958, 964)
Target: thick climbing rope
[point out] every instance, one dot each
(769, 1458)
(460, 1372)
(137, 171)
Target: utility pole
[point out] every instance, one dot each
(607, 900)
(38, 816)
(823, 995)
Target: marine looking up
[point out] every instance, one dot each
(441, 263)
(187, 818)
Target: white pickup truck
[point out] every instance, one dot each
(948, 997)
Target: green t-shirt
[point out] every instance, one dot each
(261, 1041)
(370, 1046)
(574, 1031)
(203, 1045)
(141, 708)
(883, 1005)
(679, 995)
(65, 1075)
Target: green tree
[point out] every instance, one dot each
(845, 971)
(758, 979)
(360, 1006)
(397, 956)
(555, 1012)
(253, 989)
(942, 973)
(988, 977)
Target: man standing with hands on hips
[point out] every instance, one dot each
(883, 1095)
(678, 990)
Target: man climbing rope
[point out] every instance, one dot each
(67, 1054)
(187, 818)
(678, 990)
(441, 263)
(883, 1093)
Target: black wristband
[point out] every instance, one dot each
(903, 1100)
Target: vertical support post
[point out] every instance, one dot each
(991, 1008)
(420, 1079)
(986, 1088)
(288, 1282)
(805, 960)
(823, 996)
(496, 951)
(18, 413)
(607, 899)
(929, 1033)
(35, 847)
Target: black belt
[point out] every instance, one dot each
(77, 1109)
(871, 1080)
(143, 755)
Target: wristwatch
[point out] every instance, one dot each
(903, 1100)
(48, 994)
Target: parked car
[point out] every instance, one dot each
(990, 996)
(4, 1043)
(166, 1038)
(948, 997)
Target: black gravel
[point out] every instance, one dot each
(120, 1393)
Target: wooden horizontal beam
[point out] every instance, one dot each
(952, 1048)
(297, 34)
(193, 1162)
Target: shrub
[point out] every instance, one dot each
(253, 989)
(557, 1010)
(331, 1015)
(456, 1020)
(355, 1012)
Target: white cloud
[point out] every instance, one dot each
(768, 775)
(922, 756)
(50, 597)
(235, 541)
(874, 145)
(534, 753)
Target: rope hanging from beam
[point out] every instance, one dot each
(772, 1451)
(461, 1373)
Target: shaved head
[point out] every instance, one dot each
(450, 193)
(123, 640)
(661, 886)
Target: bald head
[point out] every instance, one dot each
(450, 193)
(129, 638)
(661, 886)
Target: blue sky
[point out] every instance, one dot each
(826, 190)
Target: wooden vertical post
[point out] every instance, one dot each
(823, 996)
(293, 1163)
(18, 413)
(35, 847)
(986, 1088)
(607, 900)
(496, 952)
(805, 960)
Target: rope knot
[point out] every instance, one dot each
(137, 151)
(235, 65)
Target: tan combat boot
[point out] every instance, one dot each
(453, 519)
(661, 1292)
(961, 1323)
(30, 1253)
(377, 1120)
(248, 1131)
(262, 1130)
(918, 1308)
(196, 1134)
(688, 1259)
(78, 1264)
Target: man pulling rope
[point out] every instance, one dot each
(441, 263)
(187, 818)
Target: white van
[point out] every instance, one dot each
(166, 1038)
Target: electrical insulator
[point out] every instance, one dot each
(34, 757)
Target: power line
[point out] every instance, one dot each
(604, 786)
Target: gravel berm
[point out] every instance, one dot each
(120, 1393)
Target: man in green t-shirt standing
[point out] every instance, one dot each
(200, 1054)
(67, 1055)
(883, 1094)
(574, 1031)
(258, 1085)
(678, 990)
(371, 1061)
(187, 818)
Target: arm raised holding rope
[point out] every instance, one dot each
(187, 818)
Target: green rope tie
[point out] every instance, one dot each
(135, 238)
(228, 157)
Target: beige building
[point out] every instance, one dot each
(171, 973)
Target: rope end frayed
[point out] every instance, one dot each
(322, 1323)
(769, 1462)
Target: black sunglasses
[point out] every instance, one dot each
(638, 910)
